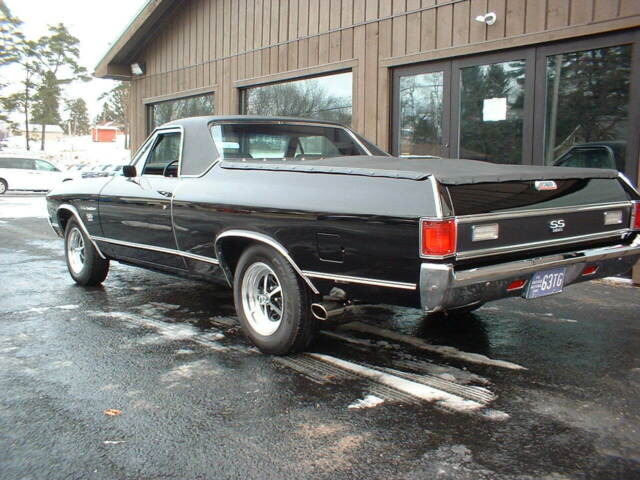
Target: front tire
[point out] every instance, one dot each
(85, 265)
(3, 186)
(272, 302)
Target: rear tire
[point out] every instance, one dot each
(272, 302)
(85, 265)
(3, 186)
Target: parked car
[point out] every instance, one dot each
(304, 219)
(32, 174)
(606, 154)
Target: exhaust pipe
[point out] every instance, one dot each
(326, 310)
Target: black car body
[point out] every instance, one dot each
(351, 223)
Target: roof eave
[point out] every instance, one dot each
(116, 62)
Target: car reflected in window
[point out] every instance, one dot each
(594, 155)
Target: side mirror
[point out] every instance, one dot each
(129, 171)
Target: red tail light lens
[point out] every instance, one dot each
(438, 237)
(516, 285)
(635, 217)
(589, 270)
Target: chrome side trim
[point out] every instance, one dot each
(360, 280)
(153, 248)
(436, 197)
(261, 237)
(539, 212)
(74, 212)
(541, 244)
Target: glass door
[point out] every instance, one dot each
(589, 103)
(422, 111)
(493, 120)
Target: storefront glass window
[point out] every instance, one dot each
(587, 98)
(325, 98)
(163, 112)
(421, 110)
(492, 112)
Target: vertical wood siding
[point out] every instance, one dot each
(215, 43)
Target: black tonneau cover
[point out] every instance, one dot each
(446, 171)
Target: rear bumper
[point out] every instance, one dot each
(444, 288)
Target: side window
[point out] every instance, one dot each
(45, 166)
(164, 154)
(27, 164)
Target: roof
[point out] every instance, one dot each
(115, 64)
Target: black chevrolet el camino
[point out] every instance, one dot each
(306, 218)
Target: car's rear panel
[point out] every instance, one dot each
(527, 217)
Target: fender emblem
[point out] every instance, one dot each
(556, 225)
(542, 185)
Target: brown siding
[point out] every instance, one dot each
(217, 43)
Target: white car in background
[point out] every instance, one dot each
(32, 174)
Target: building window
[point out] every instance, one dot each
(324, 98)
(168, 110)
(587, 98)
(492, 111)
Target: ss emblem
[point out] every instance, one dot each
(556, 225)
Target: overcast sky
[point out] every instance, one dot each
(95, 23)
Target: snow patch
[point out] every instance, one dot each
(24, 207)
(367, 402)
(444, 399)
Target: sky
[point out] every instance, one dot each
(97, 24)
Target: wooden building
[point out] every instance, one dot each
(509, 81)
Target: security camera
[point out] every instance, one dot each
(488, 18)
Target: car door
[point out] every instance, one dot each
(135, 213)
(46, 175)
(22, 177)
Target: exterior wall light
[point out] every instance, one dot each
(488, 18)
(137, 69)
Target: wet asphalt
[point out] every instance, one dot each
(558, 379)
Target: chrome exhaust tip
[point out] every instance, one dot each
(319, 311)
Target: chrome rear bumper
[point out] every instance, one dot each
(444, 288)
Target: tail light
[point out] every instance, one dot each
(438, 237)
(635, 215)
(589, 270)
(516, 285)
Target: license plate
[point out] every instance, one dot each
(546, 282)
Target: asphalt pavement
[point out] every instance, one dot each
(544, 389)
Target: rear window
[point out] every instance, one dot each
(283, 141)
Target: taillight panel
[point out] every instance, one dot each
(635, 215)
(438, 237)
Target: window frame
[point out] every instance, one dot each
(244, 89)
(632, 38)
(141, 156)
(150, 102)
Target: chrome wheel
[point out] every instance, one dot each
(262, 299)
(75, 251)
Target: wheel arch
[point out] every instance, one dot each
(64, 213)
(229, 246)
